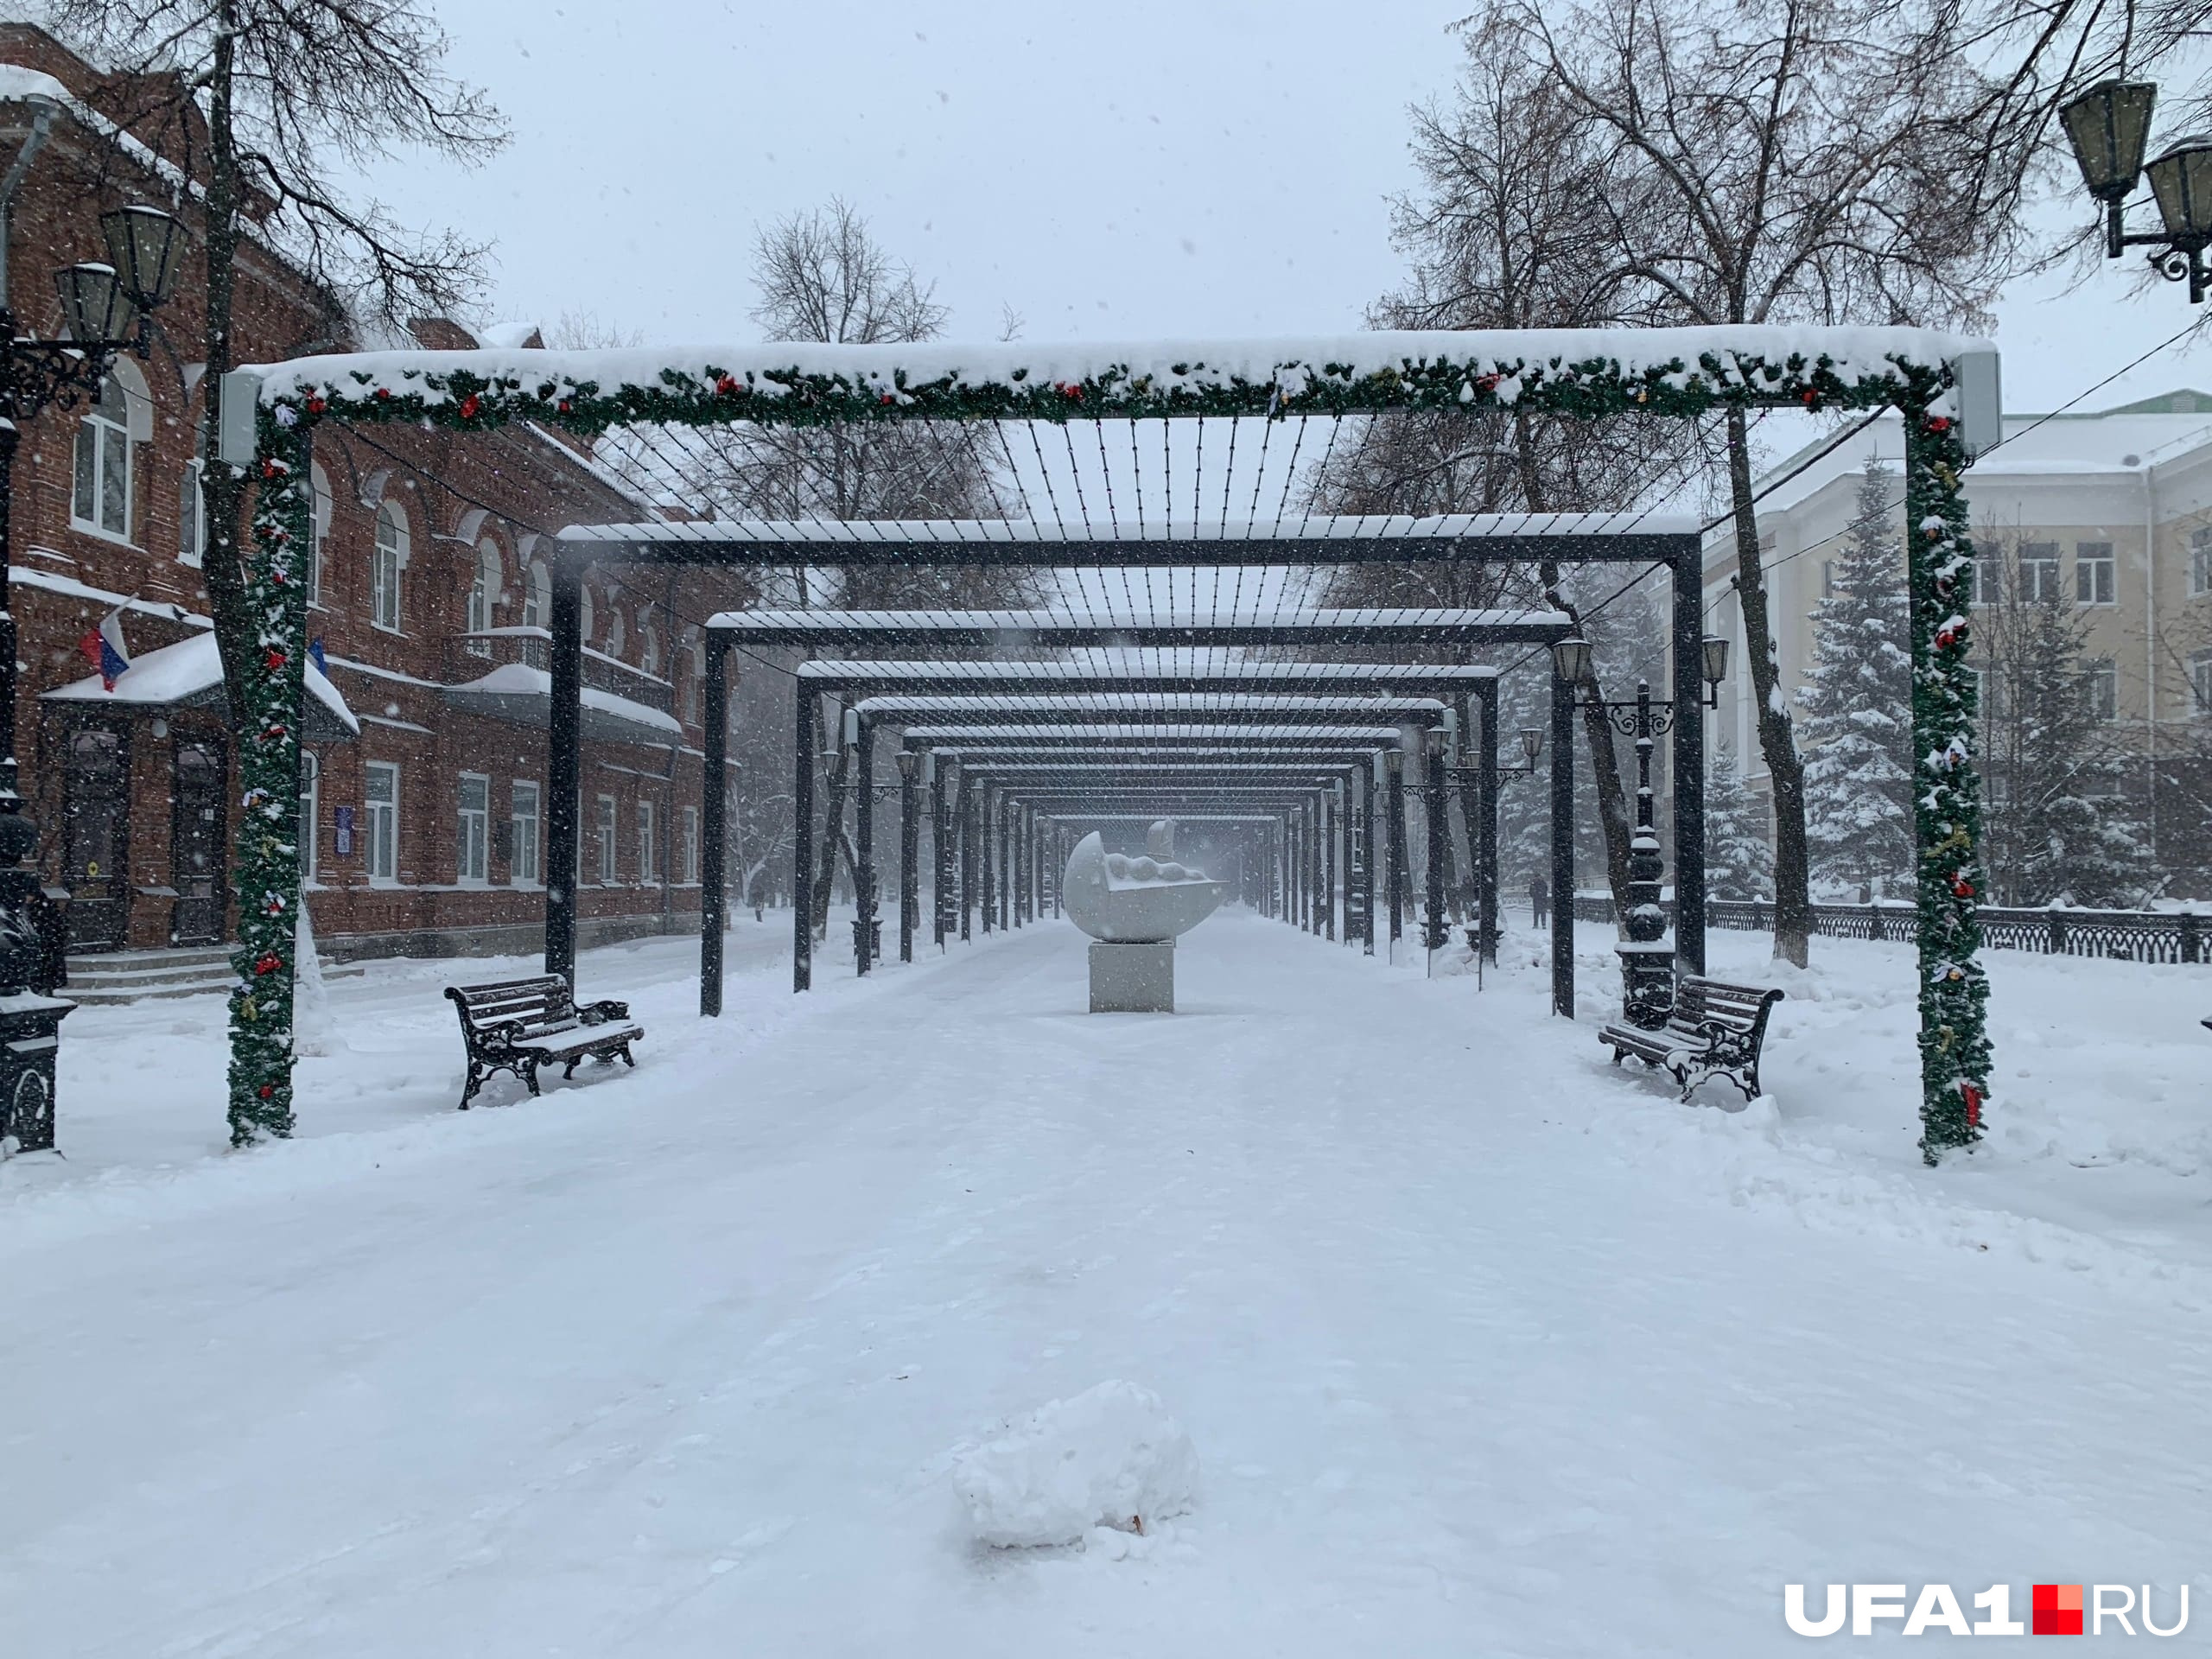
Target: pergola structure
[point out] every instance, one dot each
(1943, 387)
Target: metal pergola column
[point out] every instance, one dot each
(864, 859)
(910, 875)
(1562, 848)
(1486, 829)
(564, 765)
(714, 809)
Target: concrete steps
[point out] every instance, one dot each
(104, 977)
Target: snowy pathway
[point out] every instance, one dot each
(1484, 1348)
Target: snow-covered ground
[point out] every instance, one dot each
(1480, 1345)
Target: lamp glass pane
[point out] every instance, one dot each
(142, 244)
(1716, 660)
(93, 303)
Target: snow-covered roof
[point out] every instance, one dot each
(2120, 442)
(190, 671)
(1130, 525)
(517, 682)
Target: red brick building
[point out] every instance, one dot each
(426, 763)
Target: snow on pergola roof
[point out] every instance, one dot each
(1110, 704)
(795, 381)
(1208, 625)
(861, 672)
(1153, 817)
(1353, 731)
(1127, 536)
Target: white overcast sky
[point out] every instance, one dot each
(1117, 170)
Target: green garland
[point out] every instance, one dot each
(436, 392)
(1954, 1056)
(267, 858)
(461, 397)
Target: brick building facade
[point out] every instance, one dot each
(425, 771)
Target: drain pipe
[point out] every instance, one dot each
(34, 141)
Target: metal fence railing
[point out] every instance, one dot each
(2123, 935)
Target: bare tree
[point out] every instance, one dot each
(1777, 161)
(262, 103)
(822, 276)
(1499, 235)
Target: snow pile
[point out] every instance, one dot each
(1109, 1457)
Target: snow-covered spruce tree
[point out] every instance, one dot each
(2061, 828)
(1858, 704)
(1738, 862)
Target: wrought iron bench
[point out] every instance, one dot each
(1716, 1029)
(519, 1025)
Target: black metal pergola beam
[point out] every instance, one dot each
(885, 679)
(938, 634)
(1486, 538)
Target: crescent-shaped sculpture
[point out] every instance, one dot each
(1133, 900)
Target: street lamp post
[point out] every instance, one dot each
(2109, 127)
(1647, 957)
(105, 307)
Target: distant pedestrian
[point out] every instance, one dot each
(1540, 900)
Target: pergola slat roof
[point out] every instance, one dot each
(991, 630)
(840, 673)
(1131, 539)
(950, 738)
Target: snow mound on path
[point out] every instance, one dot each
(1112, 1456)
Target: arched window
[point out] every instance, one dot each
(616, 636)
(694, 682)
(537, 610)
(321, 480)
(587, 612)
(99, 499)
(484, 595)
(648, 648)
(310, 814)
(389, 559)
(191, 505)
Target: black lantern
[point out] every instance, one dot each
(1532, 743)
(2110, 126)
(94, 305)
(1716, 668)
(1571, 659)
(910, 765)
(144, 247)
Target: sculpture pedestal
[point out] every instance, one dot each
(1133, 978)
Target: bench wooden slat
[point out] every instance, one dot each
(1715, 1029)
(519, 1025)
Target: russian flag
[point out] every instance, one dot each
(104, 646)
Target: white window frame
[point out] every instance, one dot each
(2200, 562)
(2200, 682)
(2043, 559)
(382, 824)
(2098, 571)
(319, 488)
(387, 568)
(648, 862)
(192, 515)
(473, 841)
(609, 826)
(310, 816)
(524, 862)
(690, 846)
(103, 432)
(484, 595)
(2101, 689)
(1988, 577)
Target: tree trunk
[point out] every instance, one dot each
(1792, 901)
(1613, 819)
(223, 488)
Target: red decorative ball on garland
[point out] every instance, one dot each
(273, 660)
(1811, 397)
(316, 405)
(468, 407)
(1960, 888)
(725, 385)
(266, 1090)
(267, 962)
(1072, 392)
(382, 393)
(1939, 424)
